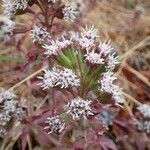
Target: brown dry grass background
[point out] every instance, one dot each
(127, 24)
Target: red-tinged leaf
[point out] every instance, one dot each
(25, 133)
(140, 143)
(39, 118)
(107, 144)
(41, 137)
(42, 117)
(122, 123)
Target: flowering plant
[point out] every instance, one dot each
(77, 79)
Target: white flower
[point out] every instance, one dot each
(69, 13)
(10, 106)
(117, 94)
(6, 95)
(74, 36)
(39, 34)
(78, 5)
(4, 118)
(107, 85)
(94, 58)
(107, 81)
(67, 78)
(78, 108)
(2, 131)
(143, 125)
(112, 61)
(56, 77)
(51, 49)
(54, 124)
(86, 43)
(50, 78)
(53, 1)
(11, 6)
(63, 43)
(6, 28)
(87, 38)
(145, 110)
(89, 33)
(54, 47)
(20, 113)
(105, 48)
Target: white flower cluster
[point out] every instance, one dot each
(94, 58)
(69, 13)
(143, 125)
(11, 6)
(109, 53)
(53, 48)
(54, 124)
(6, 95)
(105, 48)
(6, 28)
(2, 131)
(87, 38)
(104, 54)
(78, 108)
(107, 82)
(53, 1)
(78, 5)
(112, 61)
(10, 109)
(39, 34)
(59, 77)
(145, 110)
(107, 85)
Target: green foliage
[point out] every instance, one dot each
(12, 59)
(89, 75)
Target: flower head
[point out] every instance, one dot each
(117, 94)
(68, 78)
(50, 78)
(145, 110)
(51, 49)
(86, 43)
(105, 48)
(63, 42)
(107, 81)
(69, 13)
(89, 32)
(39, 34)
(53, 1)
(143, 125)
(2, 131)
(6, 95)
(79, 5)
(4, 118)
(78, 108)
(20, 112)
(54, 124)
(112, 61)
(10, 106)
(94, 58)
(6, 28)
(87, 38)
(11, 6)
(56, 77)
(107, 85)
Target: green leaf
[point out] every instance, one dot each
(12, 59)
